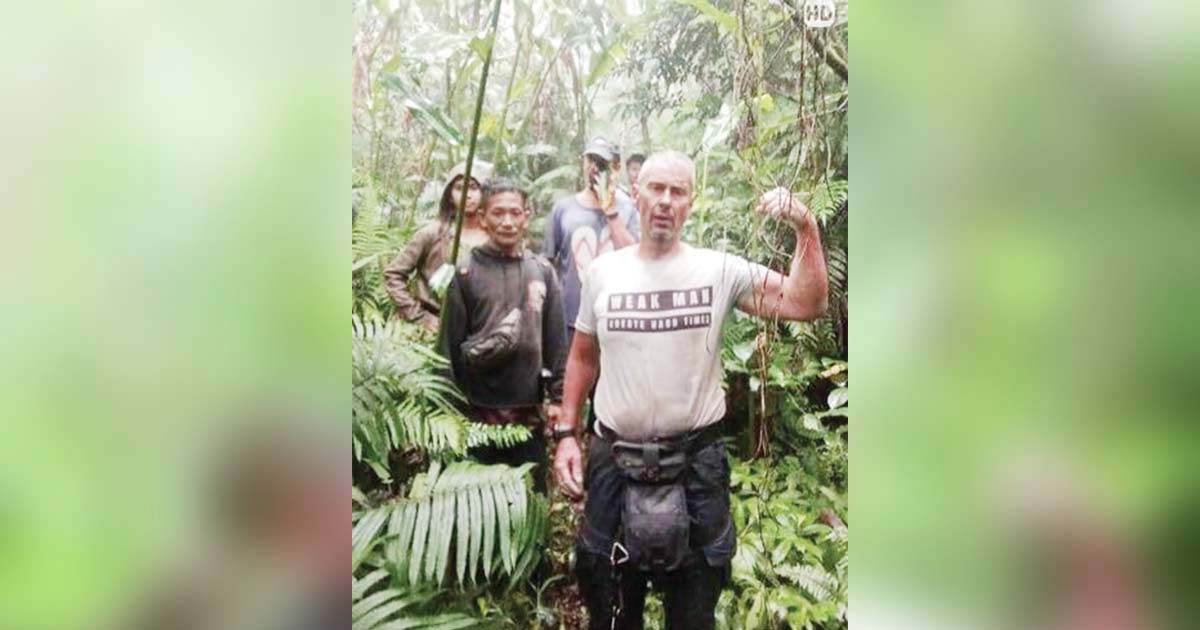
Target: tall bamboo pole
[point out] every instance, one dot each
(462, 200)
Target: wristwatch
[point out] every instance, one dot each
(560, 431)
(612, 215)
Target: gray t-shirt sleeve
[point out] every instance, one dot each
(742, 276)
(585, 322)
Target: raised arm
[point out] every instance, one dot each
(622, 231)
(803, 294)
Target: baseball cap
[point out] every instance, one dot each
(600, 148)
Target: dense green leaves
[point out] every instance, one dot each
(434, 535)
(424, 110)
(791, 569)
(393, 609)
(726, 21)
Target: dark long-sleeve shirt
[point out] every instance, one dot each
(481, 294)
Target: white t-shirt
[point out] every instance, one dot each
(658, 323)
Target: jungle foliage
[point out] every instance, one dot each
(759, 101)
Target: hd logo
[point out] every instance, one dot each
(819, 13)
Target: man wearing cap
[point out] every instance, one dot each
(657, 479)
(587, 224)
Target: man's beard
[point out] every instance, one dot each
(662, 236)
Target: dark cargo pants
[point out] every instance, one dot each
(690, 594)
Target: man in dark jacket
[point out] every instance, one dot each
(504, 327)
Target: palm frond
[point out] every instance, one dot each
(400, 396)
(395, 609)
(464, 518)
(503, 436)
(814, 579)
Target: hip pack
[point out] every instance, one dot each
(654, 511)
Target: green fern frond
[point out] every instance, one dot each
(828, 197)
(532, 539)
(371, 240)
(372, 244)
(465, 516)
(400, 396)
(817, 337)
(503, 436)
(814, 579)
(395, 609)
(836, 265)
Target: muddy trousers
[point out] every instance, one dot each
(689, 595)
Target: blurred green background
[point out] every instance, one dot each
(173, 250)
(175, 236)
(1023, 246)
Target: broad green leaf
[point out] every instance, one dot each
(462, 543)
(376, 616)
(372, 602)
(425, 111)
(475, 530)
(392, 551)
(726, 22)
(481, 45)
(358, 497)
(489, 528)
(839, 397)
(405, 533)
(439, 537)
(419, 539)
(362, 537)
(361, 587)
(446, 529)
(605, 62)
(504, 522)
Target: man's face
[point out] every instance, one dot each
(634, 169)
(474, 194)
(505, 219)
(593, 166)
(664, 200)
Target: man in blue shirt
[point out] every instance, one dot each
(586, 224)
